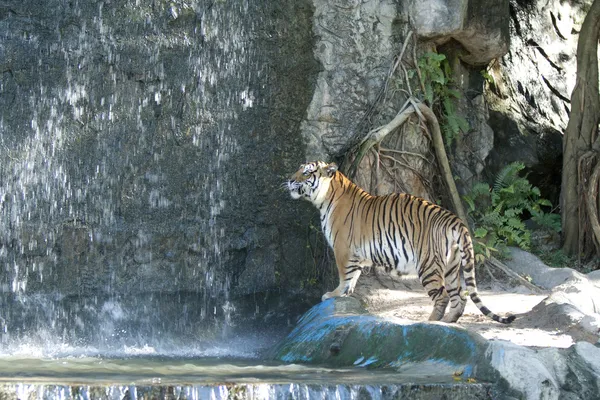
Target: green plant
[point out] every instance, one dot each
(498, 212)
(487, 76)
(437, 82)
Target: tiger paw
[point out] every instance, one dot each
(329, 295)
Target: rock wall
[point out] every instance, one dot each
(531, 90)
(356, 46)
(143, 147)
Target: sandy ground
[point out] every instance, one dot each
(403, 299)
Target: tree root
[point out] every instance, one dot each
(425, 113)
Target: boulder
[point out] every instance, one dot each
(530, 89)
(572, 306)
(529, 265)
(339, 333)
(481, 27)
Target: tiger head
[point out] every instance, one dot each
(311, 181)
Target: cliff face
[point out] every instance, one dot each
(143, 144)
(143, 147)
(530, 99)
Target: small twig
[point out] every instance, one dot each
(415, 103)
(377, 161)
(487, 269)
(425, 129)
(403, 49)
(377, 134)
(398, 62)
(382, 95)
(406, 166)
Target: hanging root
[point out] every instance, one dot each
(412, 106)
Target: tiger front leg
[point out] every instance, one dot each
(348, 277)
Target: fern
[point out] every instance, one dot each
(508, 175)
(497, 213)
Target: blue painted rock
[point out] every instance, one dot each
(340, 333)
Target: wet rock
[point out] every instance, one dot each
(164, 130)
(259, 271)
(363, 340)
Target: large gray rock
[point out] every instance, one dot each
(535, 80)
(356, 55)
(547, 373)
(481, 27)
(531, 86)
(571, 308)
(529, 265)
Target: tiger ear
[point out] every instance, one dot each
(330, 169)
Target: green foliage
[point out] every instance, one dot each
(498, 212)
(433, 68)
(436, 81)
(487, 76)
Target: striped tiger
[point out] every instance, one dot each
(398, 231)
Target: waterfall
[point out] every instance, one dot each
(118, 134)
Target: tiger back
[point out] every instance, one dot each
(398, 231)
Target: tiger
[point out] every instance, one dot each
(400, 232)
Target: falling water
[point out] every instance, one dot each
(115, 158)
(138, 140)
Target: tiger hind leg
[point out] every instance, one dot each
(453, 287)
(457, 304)
(457, 298)
(433, 283)
(440, 299)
